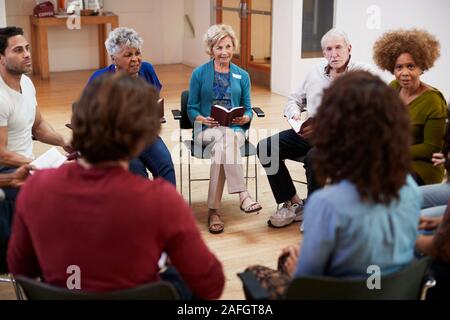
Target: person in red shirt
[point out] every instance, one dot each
(95, 215)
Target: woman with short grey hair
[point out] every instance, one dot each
(121, 37)
(124, 46)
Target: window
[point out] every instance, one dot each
(318, 16)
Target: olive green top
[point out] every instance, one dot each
(428, 113)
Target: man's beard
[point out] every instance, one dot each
(17, 70)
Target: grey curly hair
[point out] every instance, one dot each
(120, 37)
(216, 33)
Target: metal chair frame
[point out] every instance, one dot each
(203, 153)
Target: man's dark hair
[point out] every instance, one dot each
(115, 118)
(362, 134)
(5, 34)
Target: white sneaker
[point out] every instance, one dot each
(299, 210)
(287, 214)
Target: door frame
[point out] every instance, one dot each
(245, 13)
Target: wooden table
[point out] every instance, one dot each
(39, 39)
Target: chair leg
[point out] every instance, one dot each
(19, 295)
(428, 285)
(189, 176)
(256, 181)
(10, 279)
(246, 174)
(181, 165)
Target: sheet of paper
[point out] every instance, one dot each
(295, 124)
(50, 159)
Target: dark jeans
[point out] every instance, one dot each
(274, 150)
(6, 216)
(157, 159)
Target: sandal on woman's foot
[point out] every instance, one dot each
(249, 206)
(215, 224)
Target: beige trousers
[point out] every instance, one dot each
(226, 162)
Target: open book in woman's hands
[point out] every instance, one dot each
(225, 116)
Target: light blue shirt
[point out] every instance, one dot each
(344, 236)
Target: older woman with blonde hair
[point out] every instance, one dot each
(407, 54)
(221, 82)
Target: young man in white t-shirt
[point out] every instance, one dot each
(20, 118)
(19, 115)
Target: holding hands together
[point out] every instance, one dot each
(429, 223)
(288, 259)
(241, 120)
(211, 122)
(207, 121)
(438, 159)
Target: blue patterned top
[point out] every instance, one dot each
(222, 90)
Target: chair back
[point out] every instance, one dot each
(185, 123)
(441, 273)
(406, 284)
(36, 290)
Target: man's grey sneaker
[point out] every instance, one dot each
(288, 213)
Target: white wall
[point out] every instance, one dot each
(261, 41)
(432, 16)
(2, 14)
(193, 48)
(159, 23)
(289, 69)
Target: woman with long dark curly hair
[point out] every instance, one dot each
(407, 54)
(368, 213)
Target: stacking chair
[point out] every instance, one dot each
(199, 152)
(8, 278)
(36, 290)
(301, 159)
(410, 283)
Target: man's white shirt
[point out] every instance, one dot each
(309, 94)
(17, 113)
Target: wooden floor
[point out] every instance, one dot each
(247, 239)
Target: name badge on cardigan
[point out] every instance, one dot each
(237, 76)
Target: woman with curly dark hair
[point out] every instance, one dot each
(368, 213)
(407, 54)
